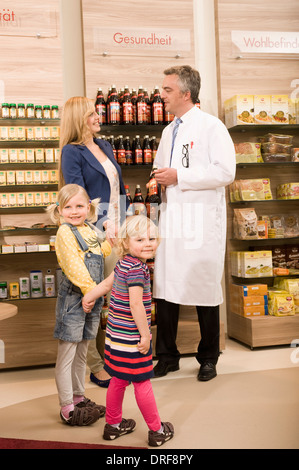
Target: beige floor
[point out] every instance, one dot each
(252, 403)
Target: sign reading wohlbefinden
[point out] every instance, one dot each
(134, 40)
(266, 42)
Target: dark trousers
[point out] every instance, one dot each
(167, 326)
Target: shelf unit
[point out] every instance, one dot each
(28, 336)
(266, 330)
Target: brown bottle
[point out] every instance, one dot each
(154, 147)
(138, 158)
(100, 106)
(148, 106)
(128, 151)
(141, 107)
(134, 105)
(121, 153)
(111, 140)
(138, 202)
(157, 107)
(154, 197)
(127, 109)
(147, 151)
(114, 106)
(130, 208)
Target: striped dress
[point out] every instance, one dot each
(122, 358)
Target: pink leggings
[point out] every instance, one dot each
(144, 397)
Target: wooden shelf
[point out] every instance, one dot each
(264, 330)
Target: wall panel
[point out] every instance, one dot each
(267, 74)
(135, 70)
(30, 67)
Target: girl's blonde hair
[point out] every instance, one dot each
(65, 194)
(134, 226)
(73, 125)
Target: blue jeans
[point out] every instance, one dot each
(72, 323)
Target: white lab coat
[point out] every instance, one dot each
(190, 259)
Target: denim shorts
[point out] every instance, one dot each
(72, 323)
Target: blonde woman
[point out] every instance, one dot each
(89, 161)
(80, 257)
(128, 348)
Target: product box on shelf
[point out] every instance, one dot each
(262, 109)
(280, 109)
(252, 264)
(248, 290)
(281, 302)
(242, 109)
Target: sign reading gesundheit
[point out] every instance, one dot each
(115, 40)
(266, 42)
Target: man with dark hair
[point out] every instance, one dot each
(195, 161)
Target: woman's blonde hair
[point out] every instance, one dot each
(134, 226)
(65, 194)
(73, 125)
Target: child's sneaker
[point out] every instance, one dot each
(125, 427)
(156, 439)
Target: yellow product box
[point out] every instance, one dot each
(4, 199)
(46, 133)
(38, 199)
(20, 177)
(38, 133)
(13, 155)
(250, 263)
(21, 133)
(12, 133)
(12, 200)
(45, 176)
(3, 133)
(10, 178)
(28, 177)
(14, 290)
(49, 155)
(292, 111)
(54, 196)
(29, 197)
(46, 199)
(242, 106)
(19, 248)
(56, 155)
(280, 109)
(262, 109)
(39, 156)
(2, 178)
(21, 200)
(53, 176)
(55, 131)
(30, 156)
(30, 133)
(37, 177)
(235, 259)
(266, 265)
(22, 156)
(4, 155)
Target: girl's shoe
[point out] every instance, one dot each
(87, 403)
(111, 432)
(81, 416)
(156, 439)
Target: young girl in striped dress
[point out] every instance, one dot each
(128, 349)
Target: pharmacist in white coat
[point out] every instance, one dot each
(190, 259)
